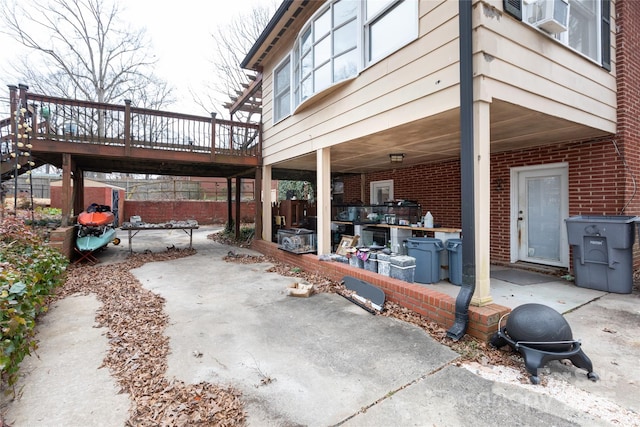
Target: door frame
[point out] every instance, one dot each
(564, 210)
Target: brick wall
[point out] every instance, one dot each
(203, 211)
(435, 306)
(604, 174)
(436, 187)
(628, 80)
(63, 239)
(598, 185)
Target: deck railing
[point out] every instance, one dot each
(60, 119)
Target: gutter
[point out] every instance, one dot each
(467, 167)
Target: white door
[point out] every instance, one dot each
(539, 206)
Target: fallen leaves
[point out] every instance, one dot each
(138, 349)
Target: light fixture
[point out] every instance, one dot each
(396, 157)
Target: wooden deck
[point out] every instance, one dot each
(121, 138)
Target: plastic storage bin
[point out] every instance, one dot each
(454, 248)
(403, 267)
(426, 252)
(297, 240)
(384, 264)
(371, 263)
(602, 251)
(354, 261)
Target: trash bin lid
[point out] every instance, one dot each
(423, 239)
(617, 219)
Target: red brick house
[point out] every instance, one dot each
(553, 96)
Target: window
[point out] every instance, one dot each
(325, 52)
(381, 191)
(329, 49)
(389, 27)
(586, 28)
(583, 27)
(282, 89)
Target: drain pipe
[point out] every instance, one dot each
(467, 167)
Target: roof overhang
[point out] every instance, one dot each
(288, 12)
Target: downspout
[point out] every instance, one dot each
(467, 170)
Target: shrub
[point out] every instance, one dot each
(29, 272)
(247, 232)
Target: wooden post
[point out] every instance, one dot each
(78, 191)
(229, 211)
(13, 104)
(23, 94)
(257, 192)
(238, 197)
(213, 136)
(231, 148)
(66, 190)
(127, 127)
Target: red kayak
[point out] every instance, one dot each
(96, 215)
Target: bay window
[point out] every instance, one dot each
(330, 47)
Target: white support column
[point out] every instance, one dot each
(323, 199)
(267, 216)
(482, 190)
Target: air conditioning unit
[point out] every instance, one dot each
(551, 16)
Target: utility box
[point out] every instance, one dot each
(602, 251)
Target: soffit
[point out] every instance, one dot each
(437, 138)
(281, 31)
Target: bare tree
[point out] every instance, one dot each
(80, 49)
(231, 42)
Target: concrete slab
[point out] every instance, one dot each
(609, 328)
(456, 397)
(62, 383)
(318, 360)
(298, 361)
(561, 295)
(155, 240)
(520, 277)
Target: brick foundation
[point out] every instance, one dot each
(62, 239)
(435, 306)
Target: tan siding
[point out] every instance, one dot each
(422, 79)
(419, 80)
(531, 70)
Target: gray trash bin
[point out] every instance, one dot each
(426, 252)
(602, 251)
(454, 248)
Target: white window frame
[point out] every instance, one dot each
(279, 93)
(361, 40)
(377, 18)
(314, 41)
(374, 185)
(563, 37)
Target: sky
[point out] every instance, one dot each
(180, 34)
